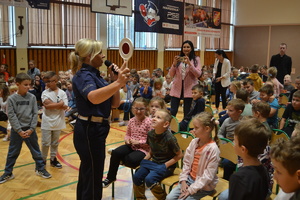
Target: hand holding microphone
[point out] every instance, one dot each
(108, 64)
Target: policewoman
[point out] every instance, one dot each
(94, 100)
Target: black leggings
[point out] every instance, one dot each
(220, 91)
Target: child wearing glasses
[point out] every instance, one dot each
(135, 147)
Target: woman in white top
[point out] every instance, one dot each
(222, 69)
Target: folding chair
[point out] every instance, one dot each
(227, 152)
(183, 140)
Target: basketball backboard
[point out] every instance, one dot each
(116, 7)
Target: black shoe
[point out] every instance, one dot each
(55, 163)
(6, 177)
(43, 173)
(106, 183)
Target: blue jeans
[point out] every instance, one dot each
(14, 149)
(151, 173)
(224, 195)
(175, 193)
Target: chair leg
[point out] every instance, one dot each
(113, 189)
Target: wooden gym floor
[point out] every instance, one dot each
(62, 185)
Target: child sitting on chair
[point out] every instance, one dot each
(164, 152)
(198, 177)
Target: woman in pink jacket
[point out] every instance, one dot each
(185, 70)
(201, 160)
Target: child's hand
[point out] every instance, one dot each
(134, 141)
(184, 187)
(184, 195)
(127, 141)
(23, 134)
(145, 90)
(28, 132)
(254, 101)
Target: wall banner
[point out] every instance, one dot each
(158, 16)
(202, 20)
(41, 4)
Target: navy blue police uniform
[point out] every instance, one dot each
(90, 132)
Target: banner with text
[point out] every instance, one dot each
(158, 16)
(41, 4)
(202, 20)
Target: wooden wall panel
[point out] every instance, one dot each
(141, 59)
(50, 59)
(10, 56)
(209, 57)
(57, 59)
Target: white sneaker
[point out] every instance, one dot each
(123, 123)
(6, 138)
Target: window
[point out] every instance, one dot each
(65, 23)
(119, 27)
(7, 33)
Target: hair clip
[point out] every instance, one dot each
(212, 119)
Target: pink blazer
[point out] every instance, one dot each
(190, 79)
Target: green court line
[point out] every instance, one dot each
(55, 188)
(2, 170)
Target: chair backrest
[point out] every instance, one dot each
(276, 134)
(184, 140)
(281, 111)
(208, 109)
(191, 125)
(174, 125)
(227, 150)
(283, 99)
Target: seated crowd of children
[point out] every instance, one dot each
(250, 117)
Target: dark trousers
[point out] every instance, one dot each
(89, 142)
(220, 91)
(187, 102)
(14, 149)
(130, 158)
(127, 111)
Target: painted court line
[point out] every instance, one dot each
(68, 164)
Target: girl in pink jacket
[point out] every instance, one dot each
(200, 164)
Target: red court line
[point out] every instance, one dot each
(61, 158)
(72, 166)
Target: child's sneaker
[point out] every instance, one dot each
(106, 183)
(6, 138)
(6, 177)
(43, 173)
(123, 123)
(55, 163)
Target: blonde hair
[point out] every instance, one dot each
(207, 119)
(236, 84)
(272, 73)
(83, 48)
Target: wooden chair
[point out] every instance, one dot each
(209, 93)
(183, 140)
(174, 125)
(281, 111)
(209, 109)
(226, 151)
(276, 134)
(283, 99)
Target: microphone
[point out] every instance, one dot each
(108, 64)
